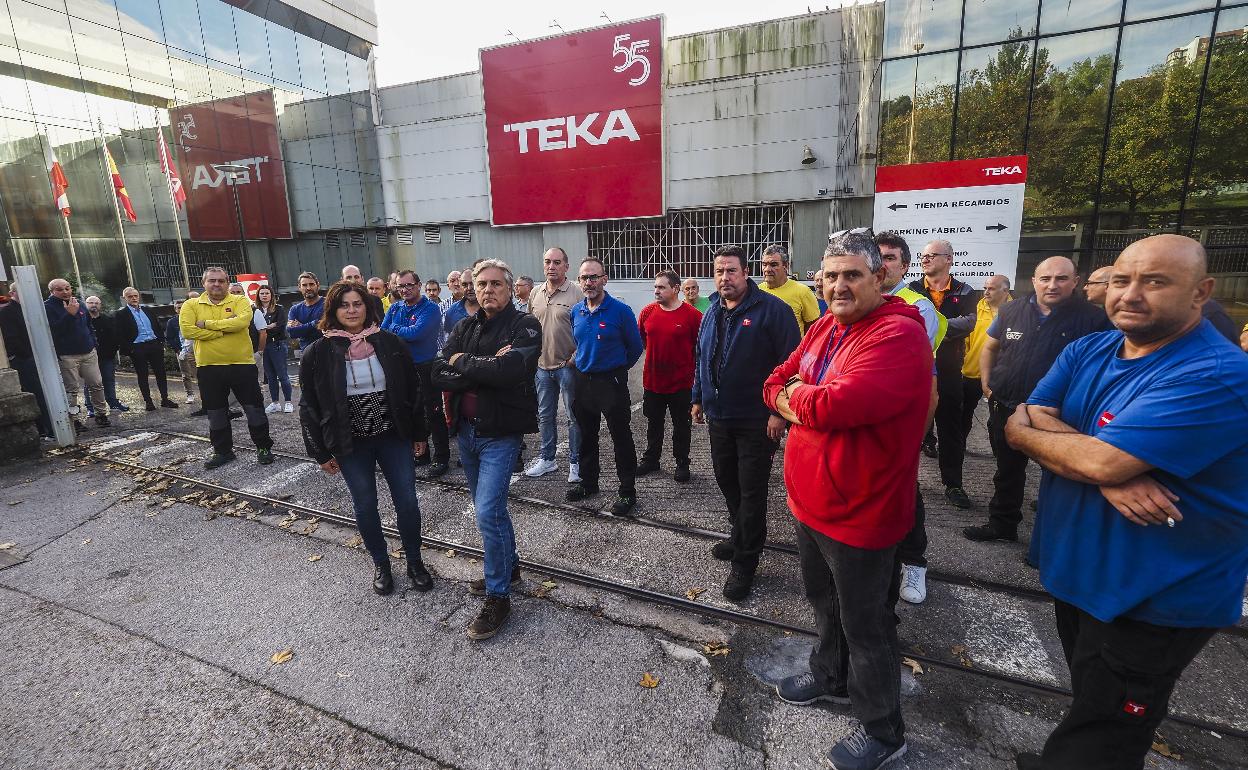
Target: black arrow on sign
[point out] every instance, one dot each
(896, 206)
(998, 227)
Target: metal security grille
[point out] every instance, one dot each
(685, 241)
(433, 234)
(404, 236)
(358, 240)
(166, 266)
(383, 237)
(463, 234)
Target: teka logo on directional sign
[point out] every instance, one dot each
(976, 205)
(240, 131)
(574, 125)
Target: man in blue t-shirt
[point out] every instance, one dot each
(1142, 532)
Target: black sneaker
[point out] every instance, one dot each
(958, 497)
(493, 615)
(200, 412)
(647, 466)
(217, 460)
(102, 421)
(624, 505)
(740, 580)
(420, 577)
(383, 581)
(264, 456)
(860, 751)
(723, 550)
(804, 689)
(150, 406)
(477, 587)
(579, 492)
(169, 403)
(437, 470)
(681, 474)
(990, 532)
(929, 448)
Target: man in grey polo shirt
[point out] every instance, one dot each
(552, 303)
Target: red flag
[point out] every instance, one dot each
(59, 183)
(170, 170)
(119, 186)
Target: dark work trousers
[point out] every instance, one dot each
(593, 397)
(1005, 510)
(972, 394)
(150, 355)
(656, 406)
(28, 380)
(741, 454)
(950, 445)
(216, 382)
(854, 592)
(1121, 676)
(435, 417)
(912, 550)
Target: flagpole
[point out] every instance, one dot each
(173, 206)
(69, 235)
(108, 183)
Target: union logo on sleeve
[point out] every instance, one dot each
(1135, 709)
(1105, 419)
(746, 322)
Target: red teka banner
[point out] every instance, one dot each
(241, 131)
(574, 125)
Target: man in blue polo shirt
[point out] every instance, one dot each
(418, 322)
(608, 343)
(1141, 532)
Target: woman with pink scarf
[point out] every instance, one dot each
(361, 410)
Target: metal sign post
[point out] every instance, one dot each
(30, 300)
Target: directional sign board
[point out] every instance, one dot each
(976, 205)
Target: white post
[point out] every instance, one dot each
(108, 183)
(49, 366)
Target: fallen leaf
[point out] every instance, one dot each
(315, 557)
(6, 546)
(913, 664)
(549, 584)
(1165, 750)
(649, 682)
(450, 552)
(694, 593)
(343, 675)
(355, 541)
(16, 502)
(279, 658)
(87, 541)
(716, 649)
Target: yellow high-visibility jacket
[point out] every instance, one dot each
(224, 338)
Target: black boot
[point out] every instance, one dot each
(739, 582)
(420, 577)
(490, 619)
(383, 581)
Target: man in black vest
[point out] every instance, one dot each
(1023, 342)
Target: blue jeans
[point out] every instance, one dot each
(359, 469)
(487, 464)
(549, 383)
(108, 374)
(275, 370)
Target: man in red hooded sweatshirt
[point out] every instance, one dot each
(856, 391)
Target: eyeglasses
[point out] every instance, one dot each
(852, 231)
(1094, 283)
(590, 278)
(407, 286)
(933, 256)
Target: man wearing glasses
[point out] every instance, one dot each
(418, 322)
(957, 302)
(1097, 285)
(608, 344)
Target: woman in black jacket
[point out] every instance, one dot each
(273, 353)
(361, 410)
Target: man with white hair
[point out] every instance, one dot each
(137, 338)
(75, 349)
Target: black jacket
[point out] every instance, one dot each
(1217, 316)
(13, 327)
(506, 392)
(323, 410)
(173, 335)
(1030, 343)
(124, 329)
(959, 309)
(277, 315)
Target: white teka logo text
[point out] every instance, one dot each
(207, 175)
(564, 133)
(1003, 170)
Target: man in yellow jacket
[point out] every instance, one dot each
(216, 322)
(996, 294)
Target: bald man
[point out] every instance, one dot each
(1022, 343)
(1141, 533)
(1094, 288)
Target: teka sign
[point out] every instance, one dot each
(574, 125)
(240, 131)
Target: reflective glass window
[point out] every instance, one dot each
(916, 109)
(217, 20)
(1074, 74)
(357, 75)
(1078, 14)
(283, 54)
(98, 47)
(1150, 9)
(147, 60)
(921, 25)
(98, 11)
(253, 44)
(992, 100)
(1218, 189)
(311, 64)
(6, 31)
(42, 31)
(182, 30)
(991, 21)
(337, 79)
(1154, 113)
(140, 17)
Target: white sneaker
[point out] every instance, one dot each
(913, 584)
(190, 398)
(574, 473)
(540, 467)
(273, 407)
(289, 408)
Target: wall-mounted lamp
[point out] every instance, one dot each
(808, 157)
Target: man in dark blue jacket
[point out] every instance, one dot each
(608, 343)
(303, 317)
(418, 322)
(745, 334)
(75, 348)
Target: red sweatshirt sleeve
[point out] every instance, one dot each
(781, 374)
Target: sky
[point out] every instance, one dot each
(425, 40)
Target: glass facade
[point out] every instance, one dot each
(76, 73)
(1130, 112)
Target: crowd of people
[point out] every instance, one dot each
(1123, 387)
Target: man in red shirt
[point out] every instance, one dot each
(856, 392)
(669, 330)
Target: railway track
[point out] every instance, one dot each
(658, 598)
